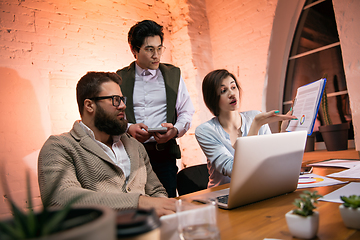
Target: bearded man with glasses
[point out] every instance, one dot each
(157, 97)
(100, 160)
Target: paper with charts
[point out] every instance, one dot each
(306, 106)
(313, 180)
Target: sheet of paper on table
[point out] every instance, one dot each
(353, 172)
(347, 190)
(314, 180)
(345, 163)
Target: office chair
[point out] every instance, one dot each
(192, 179)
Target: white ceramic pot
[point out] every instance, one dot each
(350, 216)
(302, 227)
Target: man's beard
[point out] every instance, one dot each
(109, 124)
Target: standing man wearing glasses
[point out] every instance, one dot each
(157, 97)
(99, 159)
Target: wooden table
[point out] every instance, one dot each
(266, 219)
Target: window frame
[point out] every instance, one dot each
(285, 22)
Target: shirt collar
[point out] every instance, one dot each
(140, 70)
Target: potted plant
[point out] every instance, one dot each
(335, 136)
(303, 222)
(350, 211)
(57, 223)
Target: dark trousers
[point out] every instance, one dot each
(163, 162)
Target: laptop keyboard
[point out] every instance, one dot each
(223, 199)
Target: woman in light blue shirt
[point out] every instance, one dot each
(217, 136)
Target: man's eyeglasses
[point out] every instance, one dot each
(116, 99)
(151, 50)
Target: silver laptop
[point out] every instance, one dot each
(264, 166)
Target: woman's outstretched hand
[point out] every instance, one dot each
(285, 123)
(270, 117)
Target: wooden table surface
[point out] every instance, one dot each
(266, 219)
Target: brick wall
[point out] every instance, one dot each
(240, 34)
(192, 52)
(46, 46)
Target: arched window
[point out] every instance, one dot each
(305, 47)
(316, 53)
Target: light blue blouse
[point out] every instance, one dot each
(216, 145)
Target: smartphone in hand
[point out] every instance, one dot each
(159, 130)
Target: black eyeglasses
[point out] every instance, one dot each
(116, 99)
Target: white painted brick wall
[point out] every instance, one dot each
(240, 33)
(46, 46)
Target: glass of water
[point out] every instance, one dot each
(197, 221)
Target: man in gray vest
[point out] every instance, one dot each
(156, 97)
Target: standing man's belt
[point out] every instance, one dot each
(171, 146)
(152, 146)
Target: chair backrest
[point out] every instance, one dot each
(192, 179)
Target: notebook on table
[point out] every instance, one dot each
(264, 166)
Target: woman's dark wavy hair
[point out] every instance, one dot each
(211, 88)
(142, 30)
(89, 86)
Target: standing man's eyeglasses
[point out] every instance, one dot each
(151, 50)
(116, 99)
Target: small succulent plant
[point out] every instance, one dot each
(305, 205)
(352, 201)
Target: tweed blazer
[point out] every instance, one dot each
(89, 170)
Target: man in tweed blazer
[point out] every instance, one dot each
(98, 157)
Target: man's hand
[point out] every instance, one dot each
(162, 206)
(137, 131)
(165, 137)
